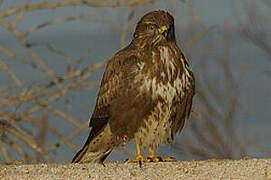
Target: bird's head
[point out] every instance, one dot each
(157, 26)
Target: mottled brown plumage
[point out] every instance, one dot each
(146, 92)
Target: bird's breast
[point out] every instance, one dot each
(166, 79)
(163, 77)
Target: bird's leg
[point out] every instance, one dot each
(139, 157)
(153, 158)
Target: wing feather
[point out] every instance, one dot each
(116, 85)
(183, 104)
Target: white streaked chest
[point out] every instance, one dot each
(156, 84)
(170, 81)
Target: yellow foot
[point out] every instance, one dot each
(138, 159)
(160, 159)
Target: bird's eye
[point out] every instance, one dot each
(151, 27)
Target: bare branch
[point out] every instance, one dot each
(53, 5)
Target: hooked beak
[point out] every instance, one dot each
(168, 32)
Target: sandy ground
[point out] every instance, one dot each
(209, 169)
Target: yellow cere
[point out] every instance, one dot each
(163, 28)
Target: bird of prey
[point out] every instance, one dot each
(146, 94)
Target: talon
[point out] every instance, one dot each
(160, 159)
(153, 158)
(168, 159)
(150, 159)
(138, 159)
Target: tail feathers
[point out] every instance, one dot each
(90, 155)
(96, 148)
(80, 154)
(85, 156)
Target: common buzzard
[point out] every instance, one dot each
(146, 93)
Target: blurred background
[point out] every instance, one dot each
(53, 54)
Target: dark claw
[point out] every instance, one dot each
(149, 158)
(160, 159)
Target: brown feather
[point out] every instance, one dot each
(146, 92)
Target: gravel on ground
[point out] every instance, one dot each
(208, 169)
